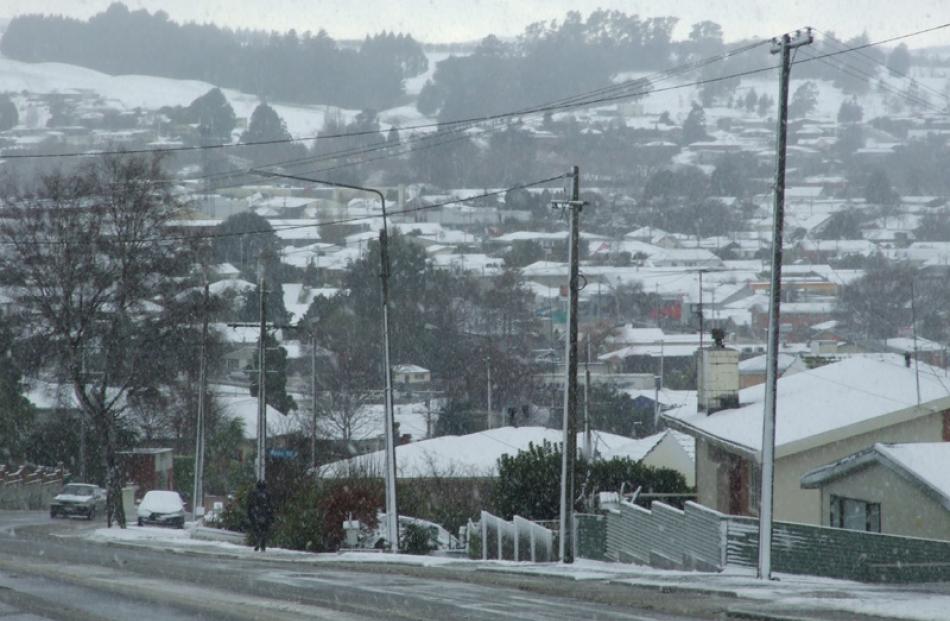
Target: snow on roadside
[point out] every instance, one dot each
(789, 593)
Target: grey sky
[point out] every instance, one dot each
(457, 20)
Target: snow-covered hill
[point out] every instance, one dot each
(128, 92)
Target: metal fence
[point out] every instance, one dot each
(703, 539)
(515, 540)
(664, 536)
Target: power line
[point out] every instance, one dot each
(218, 235)
(580, 101)
(841, 45)
(647, 80)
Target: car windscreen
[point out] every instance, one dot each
(162, 502)
(79, 490)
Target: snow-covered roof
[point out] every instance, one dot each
(237, 403)
(924, 463)
(476, 454)
(819, 406)
(409, 368)
(906, 344)
(756, 364)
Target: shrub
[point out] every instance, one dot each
(300, 523)
(417, 539)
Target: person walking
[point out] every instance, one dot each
(260, 515)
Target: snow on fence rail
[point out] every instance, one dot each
(516, 540)
(664, 536)
(701, 538)
(26, 487)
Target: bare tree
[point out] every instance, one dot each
(96, 274)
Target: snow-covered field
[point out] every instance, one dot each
(128, 92)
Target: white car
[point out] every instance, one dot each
(80, 499)
(162, 508)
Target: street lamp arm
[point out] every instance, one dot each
(392, 512)
(336, 184)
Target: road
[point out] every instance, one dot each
(48, 571)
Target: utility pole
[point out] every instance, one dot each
(262, 383)
(392, 515)
(392, 509)
(569, 452)
(488, 387)
(588, 443)
(699, 356)
(783, 46)
(913, 331)
(313, 397)
(700, 313)
(197, 504)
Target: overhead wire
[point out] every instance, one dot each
(645, 83)
(272, 229)
(607, 93)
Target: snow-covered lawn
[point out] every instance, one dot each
(787, 594)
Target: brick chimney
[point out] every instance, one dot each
(717, 376)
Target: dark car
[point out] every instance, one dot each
(82, 499)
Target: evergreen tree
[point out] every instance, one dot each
(850, 111)
(804, 100)
(694, 127)
(16, 412)
(275, 376)
(766, 103)
(392, 138)
(8, 113)
(265, 126)
(751, 99)
(214, 116)
(878, 190)
(898, 61)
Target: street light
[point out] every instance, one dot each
(392, 516)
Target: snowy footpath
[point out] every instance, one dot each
(786, 597)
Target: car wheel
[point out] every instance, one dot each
(52, 515)
(140, 522)
(92, 514)
(180, 523)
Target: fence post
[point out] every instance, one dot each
(517, 538)
(574, 534)
(484, 525)
(501, 550)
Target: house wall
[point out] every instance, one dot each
(668, 453)
(711, 477)
(905, 508)
(794, 504)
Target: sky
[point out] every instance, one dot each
(465, 20)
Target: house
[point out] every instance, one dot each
(822, 415)
(897, 489)
(411, 374)
(149, 468)
(476, 455)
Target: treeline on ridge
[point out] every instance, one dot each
(307, 68)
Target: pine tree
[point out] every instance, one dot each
(214, 116)
(694, 127)
(8, 113)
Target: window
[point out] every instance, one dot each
(855, 514)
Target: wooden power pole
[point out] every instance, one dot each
(569, 452)
(783, 46)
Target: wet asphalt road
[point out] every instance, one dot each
(49, 572)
